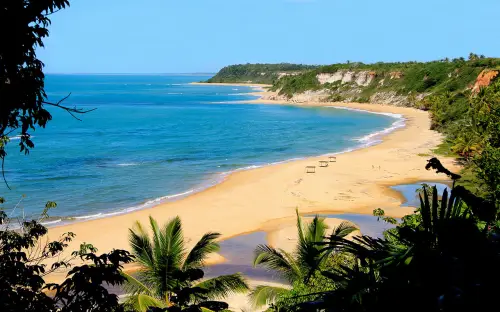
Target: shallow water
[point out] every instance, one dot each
(239, 250)
(369, 225)
(410, 193)
(239, 253)
(159, 138)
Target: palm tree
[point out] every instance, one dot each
(299, 265)
(444, 257)
(467, 145)
(169, 275)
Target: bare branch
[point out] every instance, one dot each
(3, 173)
(71, 111)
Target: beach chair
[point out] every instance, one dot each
(323, 163)
(311, 169)
(333, 159)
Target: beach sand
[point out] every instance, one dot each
(256, 85)
(258, 199)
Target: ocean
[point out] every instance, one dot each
(157, 138)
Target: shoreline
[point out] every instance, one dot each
(236, 84)
(58, 221)
(253, 198)
(151, 203)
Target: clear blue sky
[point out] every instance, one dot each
(182, 36)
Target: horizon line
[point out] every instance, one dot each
(124, 74)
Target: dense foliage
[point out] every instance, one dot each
(26, 257)
(257, 73)
(441, 258)
(403, 78)
(169, 277)
(471, 122)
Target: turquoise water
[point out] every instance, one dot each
(157, 138)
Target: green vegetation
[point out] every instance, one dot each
(299, 267)
(443, 257)
(27, 256)
(452, 234)
(171, 277)
(402, 78)
(257, 73)
(468, 118)
(26, 253)
(471, 123)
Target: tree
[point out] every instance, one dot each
(485, 113)
(23, 265)
(467, 144)
(300, 266)
(473, 56)
(169, 276)
(23, 27)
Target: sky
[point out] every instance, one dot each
(194, 36)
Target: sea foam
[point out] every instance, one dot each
(375, 137)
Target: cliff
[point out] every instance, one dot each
(400, 84)
(484, 79)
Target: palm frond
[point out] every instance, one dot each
(223, 286)
(156, 231)
(425, 209)
(316, 230)
(309, 254)
(434, 209)
(141, 245)
(263, 295)
(344, 229)
(169, 253)
(300, 227)
(276, 261)
(173, 236)
(296, 270)
(142, 303)
(206, 245)
(444, 205)
(134, 286)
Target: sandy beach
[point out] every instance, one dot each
(262, 199)
(261, 85)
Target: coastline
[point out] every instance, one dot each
(236, 84)
(254, 198)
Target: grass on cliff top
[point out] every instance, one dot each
(257, 73)
(430, 77)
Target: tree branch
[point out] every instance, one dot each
(71, 111)
(3, 173)
(50, 13)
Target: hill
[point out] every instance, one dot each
(403, 84)
(258, 73)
